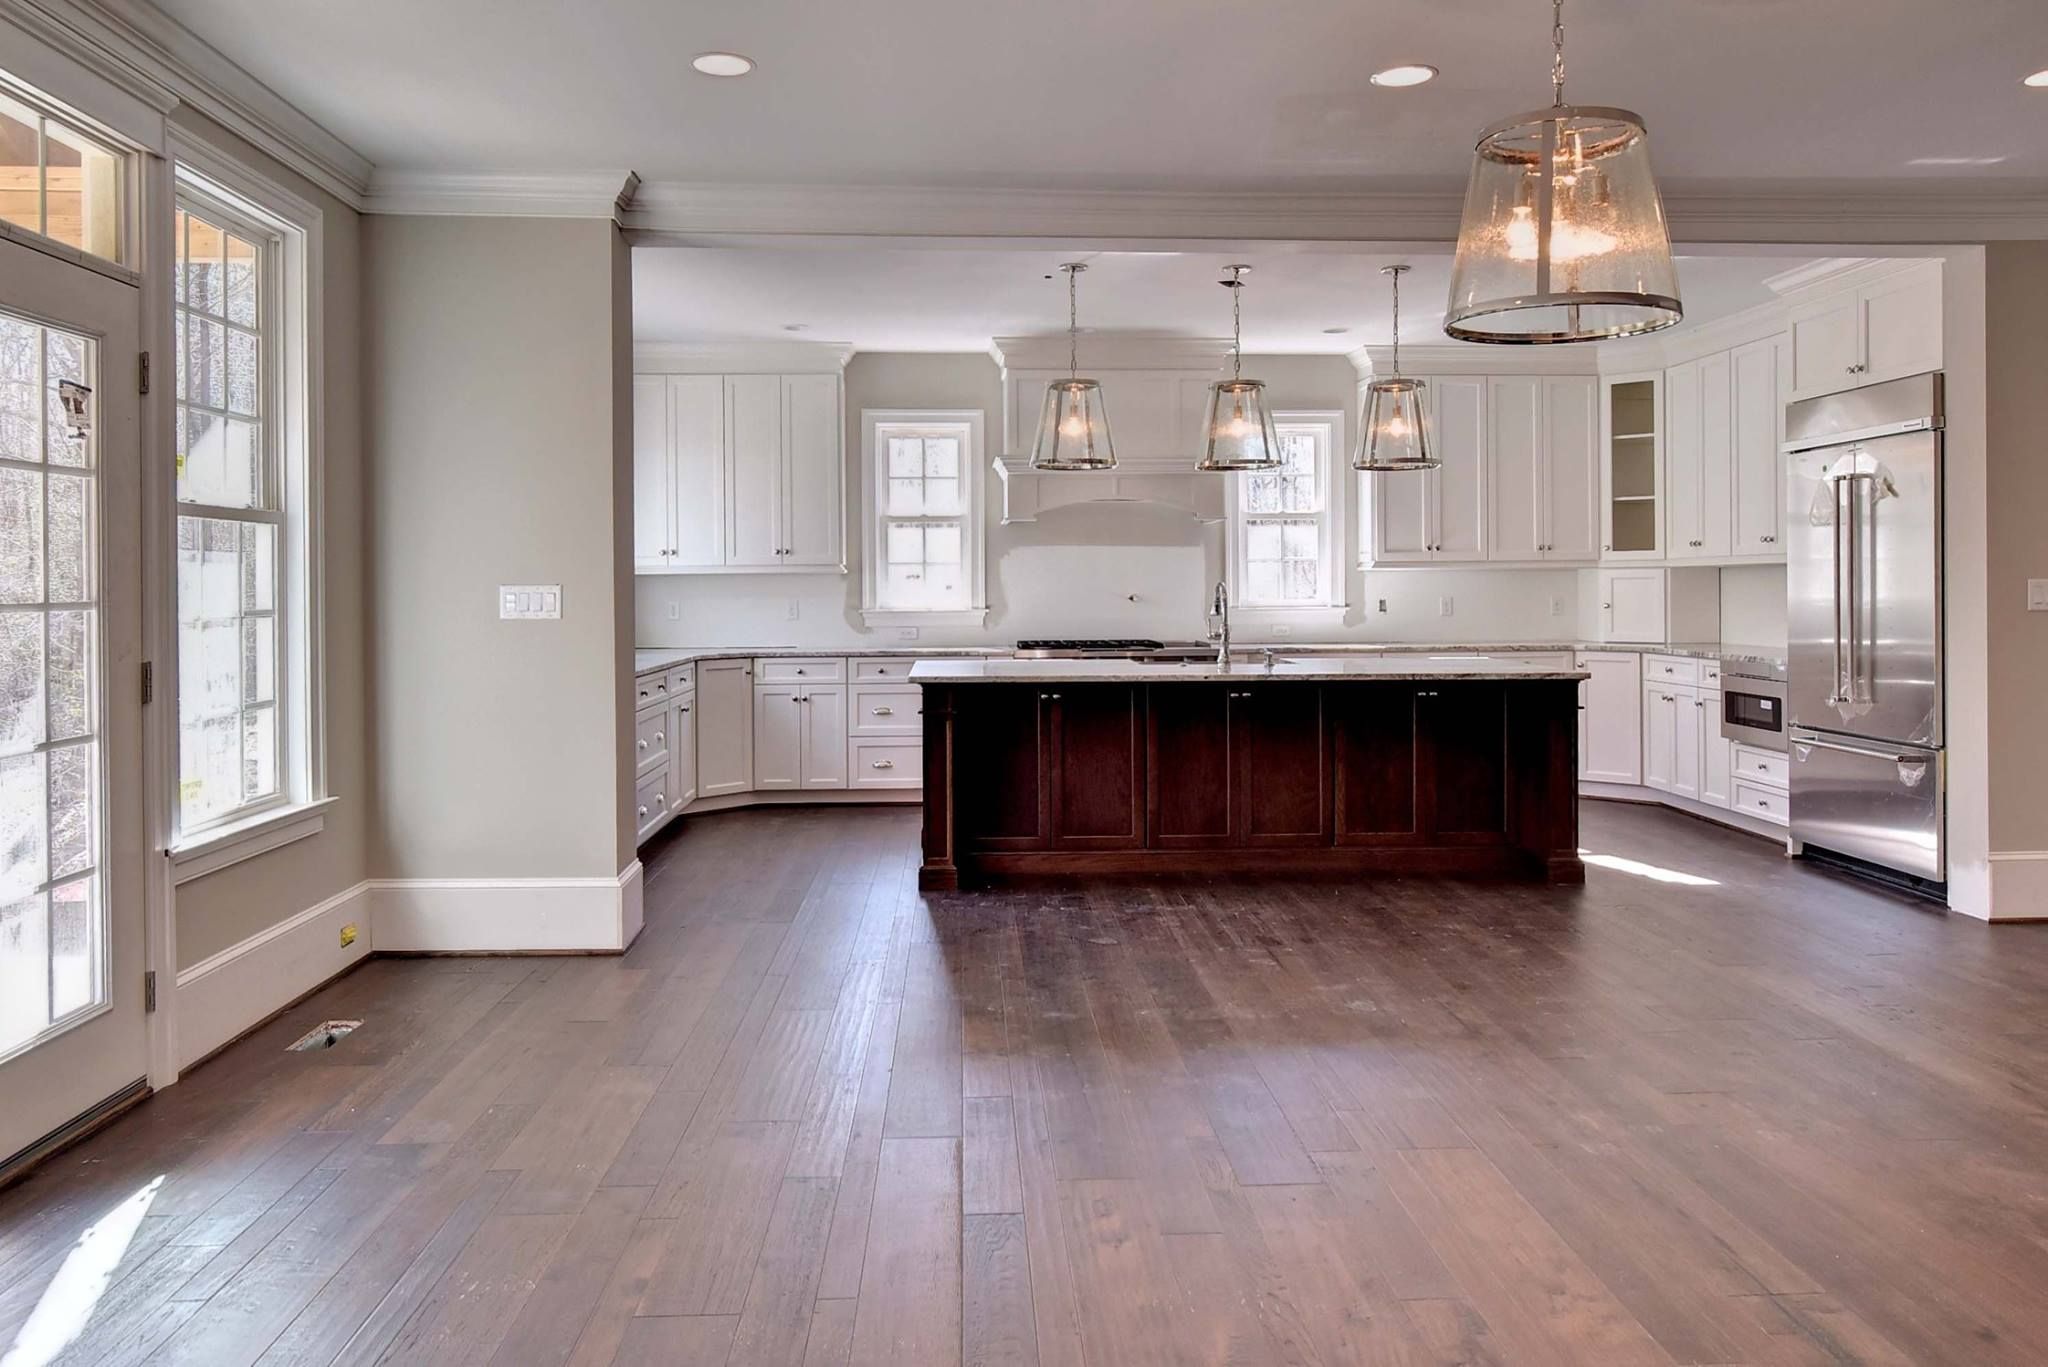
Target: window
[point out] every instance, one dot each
(246, 681)
(923, 500)
(1284, 532)
(58, 182)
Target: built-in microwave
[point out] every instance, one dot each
(1753, 703)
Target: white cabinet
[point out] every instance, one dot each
(1717, 753)
(1611, 717)
(738, 473)
(725, 727)
(1660, 737)
(1683, 751)
(682, 749)
(824, 740)
(1686, 733)
(1514, 422)
(1761, 373)
(1439, 515)
(799, 735)
(1543, 467)
(1632, 605)
(1632, 467)
(1698, 449)
(1879, 331)
(1571, 467)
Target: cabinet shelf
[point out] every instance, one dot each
(1635, 436)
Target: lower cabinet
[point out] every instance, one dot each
(682, 751)
(799, 736)
(1419, 766)
(1237, 767)
(1684, 753)
(1611, 717)
(1052, 769)
(650, 803)
(725, 727)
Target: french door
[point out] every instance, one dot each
(72, 940)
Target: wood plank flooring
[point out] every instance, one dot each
(814, 1119)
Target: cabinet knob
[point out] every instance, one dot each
(643, 813)
(885, 711)
(884, 764)
(659, 737)
(643, 745)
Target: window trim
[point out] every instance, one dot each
(124, 264)
(973, 481)
(295, 224)
(1334, 566)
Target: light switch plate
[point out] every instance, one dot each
(2037, 595)
(906, 633)
(529, 602)
(1443, 606)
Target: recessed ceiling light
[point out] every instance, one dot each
(1412, 73)
(722, 63)
(2037, 80)
(1332, 332)
(795, 327)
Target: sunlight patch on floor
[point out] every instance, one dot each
(1642, 870)
(68, 1301)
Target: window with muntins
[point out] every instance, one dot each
(1282, 528)
(59, 182)
(923, 542)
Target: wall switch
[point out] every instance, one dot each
(529, 602)
(906, 633)
(1557, 605)
(1443, 606)
(792, 609)
(2037, 595)
(675, 610)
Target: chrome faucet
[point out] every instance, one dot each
(1219, 623)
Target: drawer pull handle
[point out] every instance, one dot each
(643, 813)
(885, 711)
(685, 707)
(884, 764)
(643, 745)
(659, 738)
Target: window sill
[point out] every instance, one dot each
(1320, 614)
(952, 617)
(215, 850)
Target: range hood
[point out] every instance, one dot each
(1156, 390)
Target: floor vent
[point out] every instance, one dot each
(323, 1035)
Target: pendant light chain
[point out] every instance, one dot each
(1557, 54)
(1237, 322)
(1397, 323)
(1073, 323)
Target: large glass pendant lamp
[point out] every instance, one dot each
(1073, 427)
(1563, 237)
(1240, 425)
(1394, 435)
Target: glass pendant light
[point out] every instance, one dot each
(1393, 435)
(1563, 237)
(1240, 426)
(1073, 427)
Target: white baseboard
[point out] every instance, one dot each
(222, 996)
(507, 915)
(2019, 886)
(814, 797)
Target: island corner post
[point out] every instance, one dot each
(1418, 776)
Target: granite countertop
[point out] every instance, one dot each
(665, 657)
(1403, 666)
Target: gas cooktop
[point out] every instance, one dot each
(1109, 648)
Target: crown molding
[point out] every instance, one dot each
(1473, 358)
(1837, 275)
(1808, 274)
(1111, 351)
(740, 358)
(132, 40)
(505, 194)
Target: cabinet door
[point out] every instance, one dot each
(683, 751)
(813, 509)
(653, 490)
(1758, 372)
(778, 737)
(1400, 517)
(1682, 462)
(1902, 326)
(1716, 457)
(1660, 737)
(1459, 498)
(1464, 772)
(1514, 467)
(1612, 747)
(1189, 743)
(1571, 468)
(725, 736)
(1632, 476)
(1374, 751)
(824, 716)
(697, 425)
(1827, 346)
(1098, 767)
(753, 469)
(1003, 795)
(1632, 605)
(1280, 779)
(1686, 748)
(1717, 754)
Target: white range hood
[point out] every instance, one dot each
(1156, 390)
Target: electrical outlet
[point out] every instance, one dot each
(1443, 606)
(1283, 630)
(2037, 595)
(906, 633)
(1383, 605)
(792, 609)
(348, 934)
(1557, 605)
(675, 610)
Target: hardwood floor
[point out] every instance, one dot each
(814, 1119)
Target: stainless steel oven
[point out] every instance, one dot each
(1753, 702)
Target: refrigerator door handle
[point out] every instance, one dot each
(1806, 743)
(1860, 535)
(1840, 693)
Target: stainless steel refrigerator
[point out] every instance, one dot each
(1863, 598)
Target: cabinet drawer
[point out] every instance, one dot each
(820, 670)
(1770, 804)
(886, 710)
(682, 678)
(1766, 767)
(894, 671)
(887, 764)
(650, 802)
(650, 740)
(1671, 669)
(650, 688)
(1710, 673)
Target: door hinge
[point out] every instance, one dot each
(148, 683)
(149, 991)
(142, 373)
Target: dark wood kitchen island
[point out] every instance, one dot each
(1347, 765)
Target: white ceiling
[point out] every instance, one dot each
(938, 300)
(1179, 94)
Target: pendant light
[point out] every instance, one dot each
(1563, 237)
(1393, 435)
(1073, 427)
(1240, 425)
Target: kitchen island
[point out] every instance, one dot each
(1340, 764)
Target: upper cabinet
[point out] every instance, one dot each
(1632, 475)
(738, 473)
(1761, 374)
(1438, 516)
(1543, 434)
(1698, 458)
(1880, 330)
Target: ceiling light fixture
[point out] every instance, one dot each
(1073, 427)
(722, 63)
(1240, 425)
(1407, 74)
(1563, 237)
(1392, 436)
(2038, 80)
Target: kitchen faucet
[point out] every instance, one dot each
(1219, 623)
